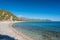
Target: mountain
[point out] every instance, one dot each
(6, 15)
(34, 20)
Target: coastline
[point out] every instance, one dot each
(10, 31)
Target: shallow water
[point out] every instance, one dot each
(40, 30)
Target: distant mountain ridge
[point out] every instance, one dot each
(8, 16)
(34, 20)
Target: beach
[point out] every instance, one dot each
(7, 29)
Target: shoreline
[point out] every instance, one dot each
(13, 32)
(20, 33)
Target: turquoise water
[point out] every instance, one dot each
(40, 30)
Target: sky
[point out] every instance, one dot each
(37, 9)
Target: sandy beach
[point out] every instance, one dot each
(7, 29)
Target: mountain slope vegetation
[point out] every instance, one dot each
(6, 15)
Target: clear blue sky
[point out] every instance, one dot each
(42, 9)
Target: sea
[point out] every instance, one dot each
(39, 30)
